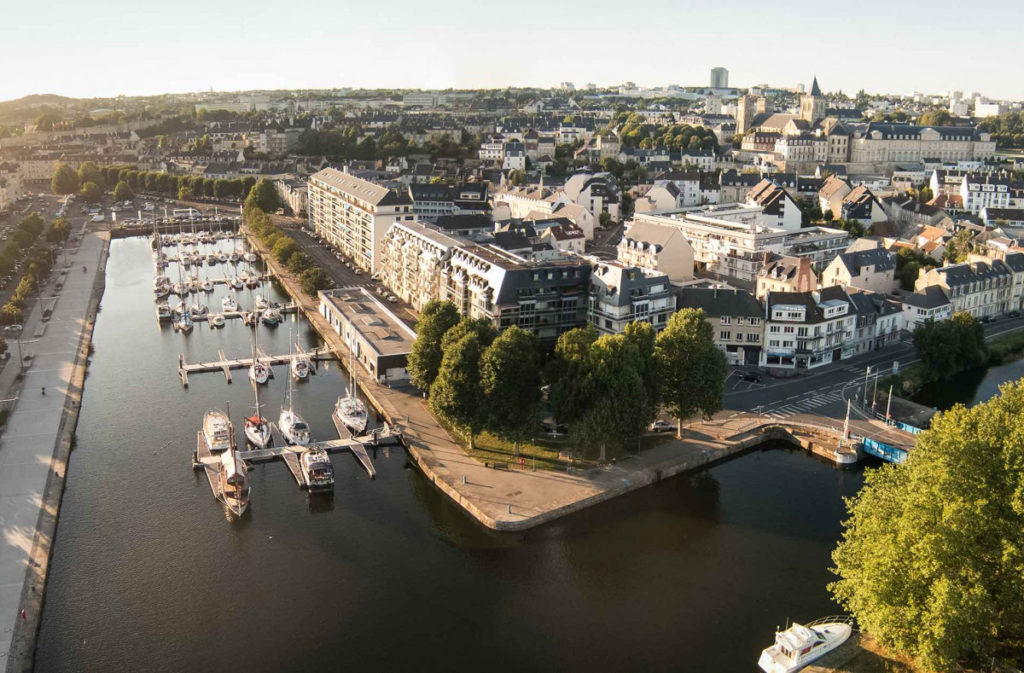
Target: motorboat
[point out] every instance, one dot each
(234, 482)
(216, 319)
(163, 311)
(183, 323)
(229, 303)
(250, 257)
(271, 317)
(198, 309)
(801, 644)
(317, 470)
(261, 303)
(237, 284)
(217, 430)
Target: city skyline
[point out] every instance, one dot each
(235, 46)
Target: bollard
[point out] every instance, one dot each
(463, 479)
(509, 510)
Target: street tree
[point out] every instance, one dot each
(931, 561)
(284, 248)
(568, 373)
(510, 376)
(457, 394)
(65, 180)
(313, 280)
(692, 370)
(299, 262)
(264, 196)
(481, 327)
(948, 347)
(91, 192)
(90, 172)
(122, 192)
(436, 318)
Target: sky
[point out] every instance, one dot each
(87, 48)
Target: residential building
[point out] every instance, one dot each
(985, 191)
(879, 321)
(621, 294)
(982, 288)
(928, 303)
(412, 257)
(659, 247)
(786, 274)
(736, 318)
(869, 270)
(887, 144)
(354, 214)
(380, 340)
(806, 330)
(819, 244)
(779, 208)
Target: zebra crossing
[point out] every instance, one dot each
(806, 405)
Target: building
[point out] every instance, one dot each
(354, 214)
(412, 257)
(887, 144)
(982, 288)
(659, 247)
(813, 105)
(928, 303)
(778, 207)
(719, 78)
(879, 321)
(806, 330)
(869, 270)
(786, 274)
(546, 298)
(380, 341)
(736, 318)
(621, 294)
(985, 191)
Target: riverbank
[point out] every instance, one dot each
(37, 441)
(519, 498)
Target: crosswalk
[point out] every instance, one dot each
(806, 405)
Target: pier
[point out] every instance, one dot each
(225, 364)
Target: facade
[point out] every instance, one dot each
(806, 330)
(719, 78)
(928, 303)
(879, 321)
(869, 270)
(380, 341)
(736, 318)
(659, 247)
(885, 144)
(786, 274)
(621, 294)
(778, 207)
(354, 214)
(982, 288)
(412, 257)
(985, 191)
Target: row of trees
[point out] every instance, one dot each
(263, 198)
(638, 132)
(26, 244)
(606, 388)
(1007, 129)
(90, 181)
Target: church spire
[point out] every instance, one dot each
(815, 89)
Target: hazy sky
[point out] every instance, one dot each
(110, 47)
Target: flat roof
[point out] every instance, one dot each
(381, 328)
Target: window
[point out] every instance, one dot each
(724, 336)
(725, 319)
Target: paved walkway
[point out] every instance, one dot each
(28, 441)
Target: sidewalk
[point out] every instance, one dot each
(29, 448)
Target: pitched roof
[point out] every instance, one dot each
(815, 89)
(361, 189)
(718, 302)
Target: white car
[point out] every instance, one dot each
(97, 218)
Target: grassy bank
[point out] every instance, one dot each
(1006, 348)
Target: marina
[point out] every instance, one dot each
(224, 364)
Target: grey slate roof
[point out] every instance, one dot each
(880, 258)
(717, 303)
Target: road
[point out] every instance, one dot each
(825, 391)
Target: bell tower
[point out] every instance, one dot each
(813, 105)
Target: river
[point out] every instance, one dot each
(970, 387)
(149, 574)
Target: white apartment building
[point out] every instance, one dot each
(354, 214)
(982, 288)
(412, 257)
(621, 294)
(806, 330)
(983, 191)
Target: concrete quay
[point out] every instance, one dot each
(36, 442)
(511, 500)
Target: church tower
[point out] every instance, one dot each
(813, 105)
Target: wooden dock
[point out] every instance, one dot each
(357, 448)
(225, 364)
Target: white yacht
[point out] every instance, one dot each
(207, 285)
(349, 409)
(261, 303)
(233, 257)
(229, 303)
(317, 471)
(211, 259)
(234, 482)
(198, 309)
(257, 428)
(163, 311)
(271, 317)
(300, 366)
(292, 426)
(217, 430)
(162, 291)
(250, 257)
(799, 645)
(222, 258)
(259, 371)
(184, 322)
(237, 284)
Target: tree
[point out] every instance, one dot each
(959, 247)
(457, 394)
(568, 374)
(91, 192)
(122, 192)
(284, 249)
(90, 172)
(299, 262)
(948, 347)
(691, 367)
(313, 280)
(65, 180)
(436, 318)
(264, 196)
(935, 118)
(604, 219)
(931, 561)
(11, 314)
(642, 337)
(481, 327)
(510, 375)
(59, 231)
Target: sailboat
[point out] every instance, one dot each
(259, 372)
(349, 409)
(234, 480)
(299, 365)
(293, 427)
(229, 303)
(184, 322)
(257, 428)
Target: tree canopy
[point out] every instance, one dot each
(65, 180)
(948, 347)
(457, 394)
(122, 192)
(91, 192)
(931, 561)
(691, 367)
(264, 195)
(510, 376)
(436, 318)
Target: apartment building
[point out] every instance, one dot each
(621, 294)
(786, 274)
(736, 318)
(354, 214)
(982, 288)
(806, 330)
(412, 257)
(928, 303)
(985, 191)
(871, 270)
(879, 321)
(657, 246)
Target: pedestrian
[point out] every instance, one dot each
(24, 616)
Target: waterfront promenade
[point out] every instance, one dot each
(36, 440)
(518, 499)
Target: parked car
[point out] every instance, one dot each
(751, 376)
(661, 426)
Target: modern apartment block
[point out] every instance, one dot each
(806, 330)
(354, 214)
(736, 318)
(412, 257)
(621, 294)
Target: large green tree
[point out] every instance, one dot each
(436, 318)
(91, 192)
(947, 347)
(65, 180)
(691, 368)
(510, 375)
(264, 196)
(313, 280)
(457, 394)
(569, 374)
(931, 561)
(122, 192)
(90, 172)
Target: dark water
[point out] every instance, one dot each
(969, 387)
(150, 575)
